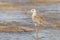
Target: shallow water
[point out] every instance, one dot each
(18, 16)
(46, 34)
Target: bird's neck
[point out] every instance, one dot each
(34, 14)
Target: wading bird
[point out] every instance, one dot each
(37, 21)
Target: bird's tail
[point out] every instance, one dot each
(43, 24)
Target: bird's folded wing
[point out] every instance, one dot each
(38, 20)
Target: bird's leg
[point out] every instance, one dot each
(37, 31)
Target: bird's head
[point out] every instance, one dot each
(33, 10)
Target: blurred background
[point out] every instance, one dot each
(15, 13)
